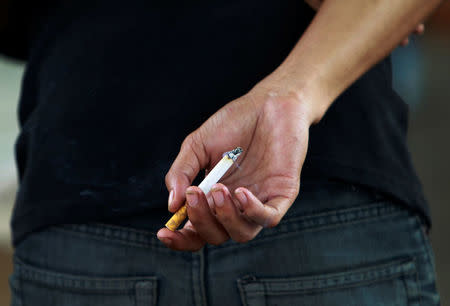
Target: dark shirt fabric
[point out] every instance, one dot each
(112, 88)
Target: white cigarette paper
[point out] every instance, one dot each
(216, 174)
(212, 178)
(219, 170)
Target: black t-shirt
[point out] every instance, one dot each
(112, 88)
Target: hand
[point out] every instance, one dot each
(419, 30)
(273, 131)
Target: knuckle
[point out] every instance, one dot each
(294, 193)
(224, 218)
(191, 141)
(167, 179)
(187, 142)
(294, 188)
(189, 170)
(273, 221)
(197, 221)
(250, 214)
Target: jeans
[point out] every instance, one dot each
(365, 250)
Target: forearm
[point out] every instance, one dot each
(345, 39)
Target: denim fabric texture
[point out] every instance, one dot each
(365, 250)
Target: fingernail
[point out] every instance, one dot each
(241, 196)
(170, 198)
(218, 197)
(191, 197)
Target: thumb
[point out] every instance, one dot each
(190, 160)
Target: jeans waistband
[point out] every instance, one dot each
(289, 225)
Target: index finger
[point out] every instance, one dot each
(190, 160)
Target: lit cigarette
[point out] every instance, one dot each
(212, 178)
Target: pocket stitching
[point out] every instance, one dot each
(296, 225)
(78, 283)
(405, 267)
(150, 245)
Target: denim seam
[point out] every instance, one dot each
(20, 282)
(98, 230)
(116, 241)
(296, 228)
(418, 227)
(100, 227)
(318, 290)
(423, 240)
(404, 265)
(403, 271)
(95, 228)
(202, 276)
(400, 266)
(77, 283)
(143, 294)
(16, 289)
(106, 239)
(325, 227)
(361, 213)
(419, 289)
(192, 279)
(428, 250)
(374, 206)
(411, 296)
(242, 292)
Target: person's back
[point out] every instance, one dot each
(110, 92)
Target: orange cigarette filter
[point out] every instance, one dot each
(177, 218)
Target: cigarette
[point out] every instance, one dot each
(212, 178)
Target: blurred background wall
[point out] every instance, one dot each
(421, 76)
(10, 77)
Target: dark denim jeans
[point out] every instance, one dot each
(366, 250)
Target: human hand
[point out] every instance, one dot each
(419, 30)
(273, 131)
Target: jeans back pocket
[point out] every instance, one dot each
(392, 283)
(35, 286)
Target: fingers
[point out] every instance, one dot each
(266, 215)
(237, 226)
(186, 239)
(201, 228)
(202, 218)
(223, 217)
(190, 160)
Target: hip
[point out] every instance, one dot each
(369, 254)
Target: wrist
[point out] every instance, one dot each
(309, 93)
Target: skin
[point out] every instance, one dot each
(271, 122)
(419, 30)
